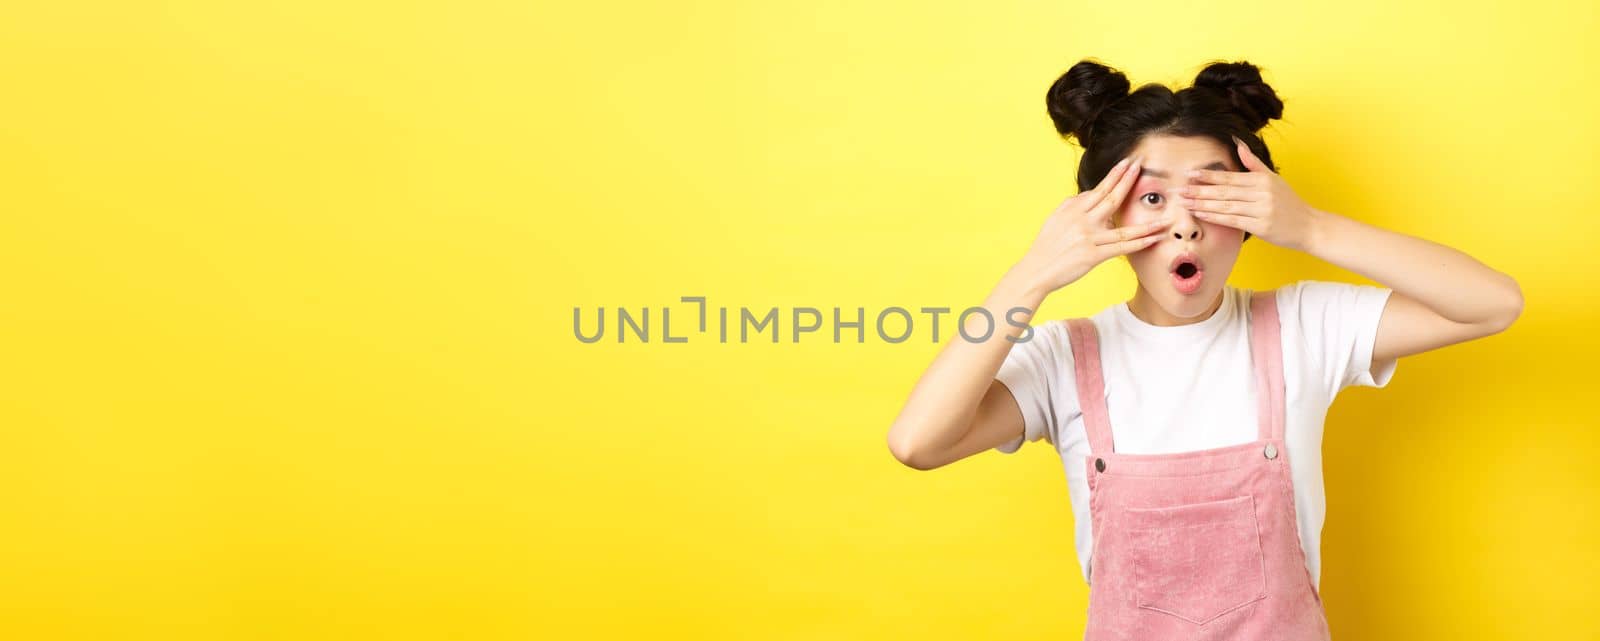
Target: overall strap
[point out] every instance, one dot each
(1266, 354)
(1091, 385)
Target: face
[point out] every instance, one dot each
(1171, 294)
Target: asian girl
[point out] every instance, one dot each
(1189, 418)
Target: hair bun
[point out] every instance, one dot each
(1076, 99)
(1240, 82)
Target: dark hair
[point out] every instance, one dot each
(1091, 102)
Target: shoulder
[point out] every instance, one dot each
(1105, 320)
(1041, 350)
(1057, 331)
(1334, 326)
(1049, 333)
(1320, 289)
(1322, 300)
(1047, 346)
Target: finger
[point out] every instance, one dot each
(1095, 195)
(1247, 223)
(1126, 247)
(1101, 211)
(1130, 232)
(1117, 171)
(1235, 207)
(1249, 158)
(1219, 177)
(1220, 192)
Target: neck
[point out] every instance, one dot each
(1144, 307)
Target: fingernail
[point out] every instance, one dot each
(1238, 142)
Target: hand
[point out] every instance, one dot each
(1078, 234)
(1258, 201)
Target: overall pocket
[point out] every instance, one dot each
(1197, 561)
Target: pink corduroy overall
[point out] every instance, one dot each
(1200, 544)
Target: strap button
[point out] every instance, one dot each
(1271, 451)
(1099, 465)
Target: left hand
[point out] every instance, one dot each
(1258, 201)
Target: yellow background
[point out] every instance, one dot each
(288, 287)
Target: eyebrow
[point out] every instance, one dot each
(1218, 165)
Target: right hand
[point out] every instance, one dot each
(1078, 235)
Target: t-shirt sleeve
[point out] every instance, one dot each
(1034, 372)
(1339, 325)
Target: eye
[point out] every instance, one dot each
(1146, 199)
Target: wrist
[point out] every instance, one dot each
(1020, 286)
(1320, 230)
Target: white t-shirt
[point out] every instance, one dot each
(1190, 387)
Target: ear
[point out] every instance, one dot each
(1251, 162)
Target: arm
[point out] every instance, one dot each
(1441, 295)
(957, 408)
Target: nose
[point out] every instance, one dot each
(1184, 225)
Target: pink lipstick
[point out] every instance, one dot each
(1187, 272)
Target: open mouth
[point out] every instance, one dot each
(1187, 272)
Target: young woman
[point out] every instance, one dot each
(1189, 418)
